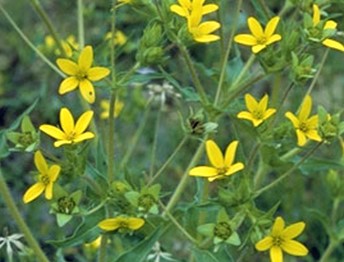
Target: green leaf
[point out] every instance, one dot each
(63, 219)
(206, 230)
(140, 252)
(26, 125)
(4, 150)
(234, 239)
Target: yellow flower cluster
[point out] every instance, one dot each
(193, 11)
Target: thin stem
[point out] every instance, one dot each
(322, 63)
(243, 71)
(183, 182)
(29, 43)
(264, 7)
(38, 7)
(326, 255)
(168, 161)
(81, 31)
(102, 249)
(13, 210)
(261, 172)
(225, 58)
(335, 207)
(176, 223)
(287, 173)
(155, 140)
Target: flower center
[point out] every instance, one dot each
(146, 201)
(303, 127)
(261, 40)
(222, 230)
(44, 179)
(258, 114)
(66, 205)
(81, 75)
(71, 136)
(277, 241)
(222, 171)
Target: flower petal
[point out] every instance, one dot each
(203, 171)
(271, 26)
(54, 172)
(251, 103)
(208, 27)
(295, 121)
(179, 10)
(257, 48)
(49, 191)
(269, 113)
(67, 66)
(62, 142)
(263, 103)
(84, 136)
(333, 44)
(276, 254)
(273, 39)
(207, 38)
(294, 248)
(277, 227)
(86, 58)
(255, 27)
(214, 154)
(135, 223)
(87, 91)
(313, 135)
(293, 230)
(235, 168)
(305, 108)
(245, 39)
(264, 244)
(109, 224)
(53, 131)
(209, 8)
(33, 192)
(66, 121)
(97, 73)
(330, 24)
(316, 15)
(83, 122)
(67, 85)
(230, 153)
(40, 163)
(301, 137)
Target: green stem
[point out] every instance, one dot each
(287, 173)
(102, 249)
(225, 58)
(29, 43)
(155, 140)
(264, 7)
(81, 32)
(183, 182)
(38, 7)
(335, 207)
(326, 255)
(291, 153)
(243, 71)
(13, 210)
(261, 172)
(322, 63)
(168, 161)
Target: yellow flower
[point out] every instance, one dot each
(81, 74)
(259, 38)
(306, 127)
(70, 132)
(95, 244)
(68, 45)
(281, 239)
(257, 111)
(202, 32)
(222, 166)
(111, 224)
(105, 105)
(330, 24)
(119, 38)
(185, 7)
(46, 179)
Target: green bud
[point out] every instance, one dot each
(302, 68)
(222, 230)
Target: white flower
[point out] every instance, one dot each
(158, 254)
(8, 241)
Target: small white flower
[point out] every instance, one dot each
(10, 240)
(158, 254)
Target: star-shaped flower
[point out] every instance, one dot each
(81, 74)
(306, 126)
(330, 24)
(70, 132)
(281, 239)
(259, 38)
(222, 166)
(46, 179)
(185, 7)
(257, 111)
(105, 105)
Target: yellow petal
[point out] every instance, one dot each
(97, 73)
(263, 103)
(276, 254)
(257, 48)
(49, 191)
(316, 15)
(230, 153)
(248, 116)
(251, 103)
(255, 27)
(62, 142)
(40, 163)
(313, 135)
(301, 137)
(269, 113)
(273, 39)
(277, 227)
(214, 154)
(293, 230)
(264, 244)
(333, 44)
(293, 119)
(305, 108)
(294, 248)
(82, 137)
(135, 223)
(234, 168)
(69, 84)
(67, 66)
(66, 121)
(206, 9)
(203, 171)
(179, 10)
(86, 58)
(52, 131)
(208, 27)
(83, 122)
(271, 27)
(330, 24)
(207, 38)
(245, 39)
(109, 224)
(312, 122)
(54, 172)
(33, 192)
(87, 91)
